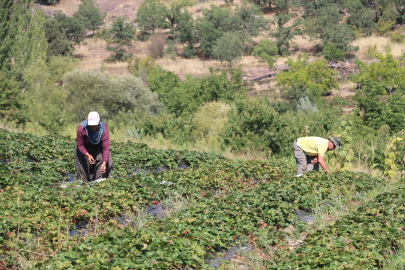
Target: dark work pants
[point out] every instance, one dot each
(90, 172)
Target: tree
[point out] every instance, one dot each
(121, 34)
(326, 27)
(22, 43)
(183, 98)
(11, 98)
(5, 26)
(285, 34)
(151, 15)
(387, 74)
(380, 110)
(172, 19)
(23, 36)
(316, 76)
(89, 14)
(281, 4)
(250, 19)
(207, 35)
(246, 21)
(266, 50)
(228, 48)
(360, 17)
(311, 6)
(74, 29)
(58, 44)
(186, 28)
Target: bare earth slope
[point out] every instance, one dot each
(113, 8)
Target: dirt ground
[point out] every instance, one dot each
(113, 8)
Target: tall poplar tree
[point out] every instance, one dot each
(22, 43)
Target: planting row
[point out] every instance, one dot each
(252, 195)
(362, 240)
(28, 159)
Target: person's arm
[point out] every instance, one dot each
(105, 144)
(80, 144)
(322, 163)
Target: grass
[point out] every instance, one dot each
(397, 49)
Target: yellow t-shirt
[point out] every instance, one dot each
(313, 146)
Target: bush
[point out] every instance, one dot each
(371, 51)
(171, 50)
(209, 120)
(156, 47)
(96, 90)
(141, 67)
(384, 27)
(254, 125)
(189, 51)
(185, 97)
(397, 37)
(266, 50)
(305, 106)
(332, 52)
(316, 76)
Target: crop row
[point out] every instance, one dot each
(46, 160)
(268, 199)
(208, 225)
(361, 240)
(228, 201)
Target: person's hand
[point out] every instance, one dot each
(90, 158)
(103, 167)
(314, 161)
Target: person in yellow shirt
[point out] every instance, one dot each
(309, 152)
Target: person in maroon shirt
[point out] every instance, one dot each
(92, 149)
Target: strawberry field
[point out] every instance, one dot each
(178, 209)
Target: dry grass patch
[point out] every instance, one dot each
(396, 48)
(305, 45)
(347, 88)
(92, 54)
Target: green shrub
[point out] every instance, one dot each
(255, 125)
(209, 120)
(185, 97)
(97, 90)
(266, 50)
(384, 27)
(332, 52)
(397, 37)
(171, 50)
(371, 51)
(141, 67)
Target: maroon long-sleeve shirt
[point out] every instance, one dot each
(82, 141)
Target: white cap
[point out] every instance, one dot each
(93, 119)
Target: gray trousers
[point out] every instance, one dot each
(303, 160)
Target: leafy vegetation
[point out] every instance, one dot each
(231, 201)
(316, 76)
(121, 34)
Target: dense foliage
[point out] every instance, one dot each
(230, 201)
